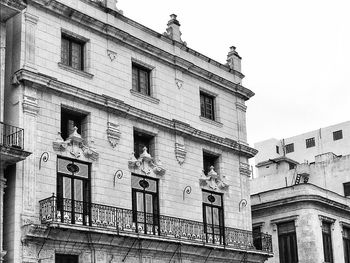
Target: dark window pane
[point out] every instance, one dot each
(62, 258)
(310, 142)
(346, 189)
(207, 106)
(65, 52)
(72, 52)
(337, 135)
(141, 79)
(289, 148)
(287, 243)
(327, 242)
(208, 161)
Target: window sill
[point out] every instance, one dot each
(216, 123)
(146, 97)
(76, 71)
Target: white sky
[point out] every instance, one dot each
(296, 54)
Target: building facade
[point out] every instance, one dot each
(304, 147)
(138, 141)
(306, 209)
(11, 137)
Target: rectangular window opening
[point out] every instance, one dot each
(289, 148)
(72, 52)
(207, 106)
(141, 140)
(277, 149)
(141, 81)
(65, 258)
(346, 244)
(210, 160)
(71, 119)
(346, 189)
(337, 135)
(327, 242)
(310, 142)
(287, 242)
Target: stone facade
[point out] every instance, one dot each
(308, 195)
(42, 87)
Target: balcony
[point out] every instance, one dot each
(55, 210)
(11, 144)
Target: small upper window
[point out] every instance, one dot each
(142, 140)
(289, 148)
(141, 79)
(210, 160)
(310, 142)
(277, 149)
(337, 135)
(71, 119)
(207, 106)
(347, 189)
(72, 52)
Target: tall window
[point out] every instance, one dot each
(257, 242)
(277, 149)
(289, 148)
(208, 161)
(346, 189)
(213, 217)
(145, 205)
(64, 258)
(287, 243)
(142, 140)
(71, 119)
(337, 135)
(72, 52)
(310, 142)
(207, 106)
(73, 191)
(327, 242)
(346, 244)
(141, 79)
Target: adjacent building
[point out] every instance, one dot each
(11, 137)
(304, 147)
(138, 142)
(305, 207)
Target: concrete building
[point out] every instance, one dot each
(11, 137)
(138, 141)
(304, 147)
(306, 209)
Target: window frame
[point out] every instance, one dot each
(310, 142)
(337, 135)
(67, 258)
(73, 40)
(211, 159)
(289, 147)
(80, 121)
(287, 239)
(137, 87)
(347, 184)
(204, 96)
(346, 243)
(327, 242)
(147, 139)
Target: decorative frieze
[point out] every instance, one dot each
(76, 146)
(244, 169)
(146, 164)
(30, 105)
(213, 180)
(113, 133)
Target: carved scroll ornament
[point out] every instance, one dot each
(146, 164)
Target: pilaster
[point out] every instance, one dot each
(2, 191)
(30, 28)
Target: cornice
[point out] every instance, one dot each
(15, 4)
(145, 48)
(119, 107)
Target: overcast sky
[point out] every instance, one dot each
(295, 55)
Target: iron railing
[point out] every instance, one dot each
(61, 210)
(11, 136)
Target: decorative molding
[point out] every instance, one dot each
(179, 83)
(44, 158)
(145, 97)
(244, 169)
(111, 54)
(118, 106)
(30, 105)
(241, 106)
(327, 219)
(187, 190)
(146, 164)
(75, 146)
(294, 218)
(180, 153)
(113, 133)
(213, 180)
(75, 71)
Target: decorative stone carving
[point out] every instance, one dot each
(76, 146)
(180, 153)
(113, 133)
(244, 169)
(213, 180)
(146, 164)
(179, 83)
(30, 105)
(111, 54)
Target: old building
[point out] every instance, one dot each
(138, 141)
(11, 137)
(305, 208)
(304, 147)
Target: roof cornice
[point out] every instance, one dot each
(145, 48)
(111, 104)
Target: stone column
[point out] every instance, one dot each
(2, 192)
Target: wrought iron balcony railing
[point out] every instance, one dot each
(66, 211)
(11, 136)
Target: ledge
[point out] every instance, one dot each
(145, 97)
(75, 71)
(119, 106)
(213, 122)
